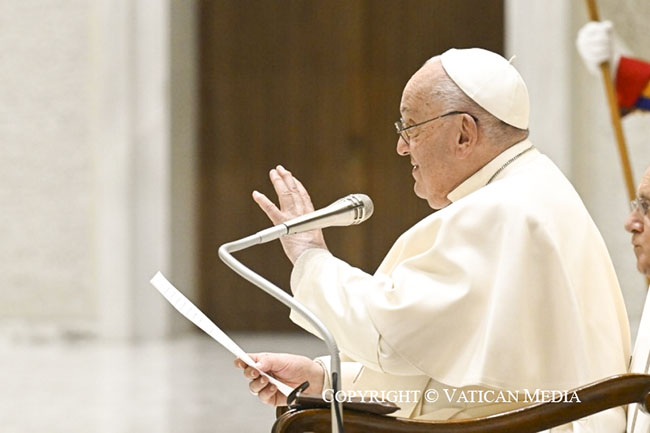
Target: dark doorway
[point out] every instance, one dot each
(314, 86)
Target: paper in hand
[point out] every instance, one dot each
(189, 310)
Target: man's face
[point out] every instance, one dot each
(430, 145)
(639, 225)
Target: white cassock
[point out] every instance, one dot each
(637, 420)
(510, 287)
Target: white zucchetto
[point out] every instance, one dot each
(490, 81)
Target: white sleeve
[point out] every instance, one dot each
(349, 372)
(335, 291)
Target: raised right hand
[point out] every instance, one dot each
(294, 201)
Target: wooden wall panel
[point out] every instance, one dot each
(315, 86)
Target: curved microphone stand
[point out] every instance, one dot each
(268, 235)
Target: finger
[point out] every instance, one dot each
(305, 197)
(282, 189)
(288, 178)
(256, 386)
(268, 395)
(292, 184)
(251, 373)
(271, 363)
(254, 356)
(268, 207)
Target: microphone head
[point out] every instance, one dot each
(363, 207)
(349, 210)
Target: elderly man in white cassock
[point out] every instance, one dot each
(508, 285)
(638, 224)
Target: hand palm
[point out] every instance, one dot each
(294, 202)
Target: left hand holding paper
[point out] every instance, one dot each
(196, 316)
(292, 370)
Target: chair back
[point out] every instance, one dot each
(638, 421)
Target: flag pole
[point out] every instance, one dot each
(614, 113)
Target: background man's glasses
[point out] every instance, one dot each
(640, 205)
(402, 130)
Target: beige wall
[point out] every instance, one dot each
(97, 164)
(46, 164)
(630, 18)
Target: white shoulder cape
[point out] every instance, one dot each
(510, 286)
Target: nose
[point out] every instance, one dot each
(633, 223)
(402, 146)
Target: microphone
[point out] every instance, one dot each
(349, 210)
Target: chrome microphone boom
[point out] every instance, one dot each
(352, 209)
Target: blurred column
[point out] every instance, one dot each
(183, 42)
(142, 129)
(539, 34)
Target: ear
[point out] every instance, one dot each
(467, 137)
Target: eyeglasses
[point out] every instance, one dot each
(641, 205)
(402, 130)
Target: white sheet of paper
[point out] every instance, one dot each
(196, 316)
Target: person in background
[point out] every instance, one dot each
(638, 225)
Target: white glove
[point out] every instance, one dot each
(595, 45)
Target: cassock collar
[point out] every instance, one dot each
(485, 174)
